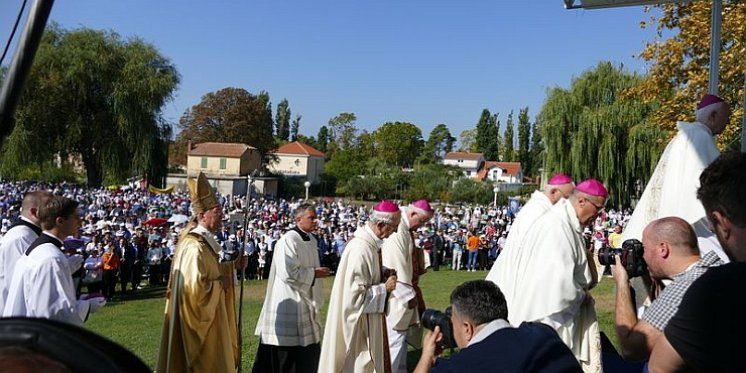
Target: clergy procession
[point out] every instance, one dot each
(676, 262)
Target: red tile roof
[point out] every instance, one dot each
(220, 149)
(510, 168)
(464, 155)
(298, 148)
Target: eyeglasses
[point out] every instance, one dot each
(599, 208)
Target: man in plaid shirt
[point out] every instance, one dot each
(671, 253)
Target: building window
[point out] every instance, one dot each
(222, 163)
(203, 162)
(297, 162)
(468, 173)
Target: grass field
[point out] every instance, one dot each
(136, 321)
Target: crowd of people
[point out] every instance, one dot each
(534, 311)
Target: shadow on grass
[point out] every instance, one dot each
(150, 292)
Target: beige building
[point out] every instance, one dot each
(297, 159)
(226, 166)
(222, 159)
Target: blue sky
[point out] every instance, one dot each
(425, 62)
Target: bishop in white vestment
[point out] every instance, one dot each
(355, 333)
(559, 186)
(672, 189)
(550, 283)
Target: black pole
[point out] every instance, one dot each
(249, 185)
(20, 65)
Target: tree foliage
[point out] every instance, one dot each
(467, 140)
(96, 97)
(679, 64)
(342, 129)
(591, 131)
(524, 136)
(398, 143)
(508, 146)
(322, 139)
(487, 135)
(228, 115)
(295, 127)
(282, 120)
(437, 145)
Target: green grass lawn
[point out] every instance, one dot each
(135, 322)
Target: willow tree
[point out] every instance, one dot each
(97, 98)
(590, 130)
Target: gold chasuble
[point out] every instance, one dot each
(199, 331)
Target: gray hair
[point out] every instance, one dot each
(301, 209)
(381, 217)
(419, 211)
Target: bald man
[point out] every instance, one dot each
(19, 237)
(671, 253)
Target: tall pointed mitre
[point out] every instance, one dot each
(201, 194)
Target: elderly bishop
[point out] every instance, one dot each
(355, 332)
(199, 330)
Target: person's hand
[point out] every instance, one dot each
(320, 272)
(619, 272)
(96, 303)
(390, 284)
(431, 349)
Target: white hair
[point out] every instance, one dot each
(418, 210)
(381, 217)
(703, 114)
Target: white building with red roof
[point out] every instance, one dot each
(471, 163)
(297, 159)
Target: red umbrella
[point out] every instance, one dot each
(155, 221)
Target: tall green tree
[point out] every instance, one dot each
(398, 143)
(322, 139)
(94, 96)
(593, 130)
(282, 120)
(524, 136)
(487, 136)
(438, 144)
(229, 115)
(508, 147)
(295, 127)
(537, 150)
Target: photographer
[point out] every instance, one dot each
(671, 253)
(488, 342)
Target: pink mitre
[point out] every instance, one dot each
(593, 187)
(708, 100)
(386, 207)
(560, 179)
(423, 205)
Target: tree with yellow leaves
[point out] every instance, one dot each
(678, 74)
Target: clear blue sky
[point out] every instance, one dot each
(421, 61)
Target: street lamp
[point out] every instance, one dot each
(495, 189)
(307, 184)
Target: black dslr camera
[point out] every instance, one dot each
(630, 256)
(432, 318)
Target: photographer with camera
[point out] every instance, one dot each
(478, 326)
(671, 253)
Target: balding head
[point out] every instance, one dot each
(31, 203)
(670, 246)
